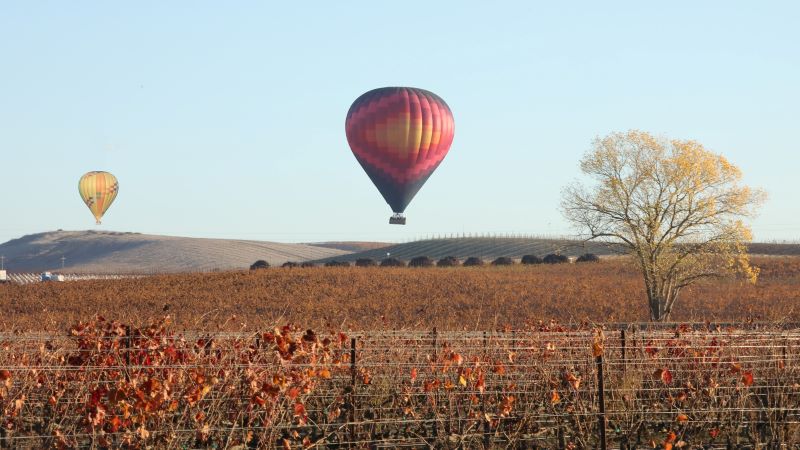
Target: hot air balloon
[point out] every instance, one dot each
(399, 135)
(98, 190)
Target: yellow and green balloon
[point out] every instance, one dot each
(98, 190)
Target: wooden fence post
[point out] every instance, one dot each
(435, 336)
(785, 345)
(601, 400)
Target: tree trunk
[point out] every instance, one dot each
(658, 312)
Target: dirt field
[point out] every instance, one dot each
(463, 298)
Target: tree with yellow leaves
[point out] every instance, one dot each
(675, 206)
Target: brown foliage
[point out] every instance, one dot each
(107, 384)
(122, 386)
(369, 298)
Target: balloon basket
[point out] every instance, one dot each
(397, 219)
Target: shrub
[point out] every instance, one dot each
(260, 264)
(473, 261)
(335, 263)
(308, 264)
(588, 257)
(392, 262)
(289, 264)
(503, 261)
(448, 261)
(366, 262)
(531, 259)
(421, 261)
(553, 258)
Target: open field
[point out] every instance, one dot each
(461, 298)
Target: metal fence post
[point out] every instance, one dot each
(436, 394)
(352, 392)
(601, 400)
(622, 347)
(128, 354)
(486, 424)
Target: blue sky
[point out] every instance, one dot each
(228, 121)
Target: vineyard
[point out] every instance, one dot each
(490, 247)
(459, 357)
(109, 385)
(374, 298)
(485, 247)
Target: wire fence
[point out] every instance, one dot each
(106, 385)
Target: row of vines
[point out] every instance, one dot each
(476, 298)
(110, 385)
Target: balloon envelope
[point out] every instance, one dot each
(98, 190)
(399, 135)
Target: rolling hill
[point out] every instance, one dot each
(351, 246)
(116, 252)
(487, 248)
(108, 252)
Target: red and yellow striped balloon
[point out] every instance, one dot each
(98, 190)
(399, 135)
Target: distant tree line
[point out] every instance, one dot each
(447, 261)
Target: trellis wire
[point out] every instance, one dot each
(530, 365)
